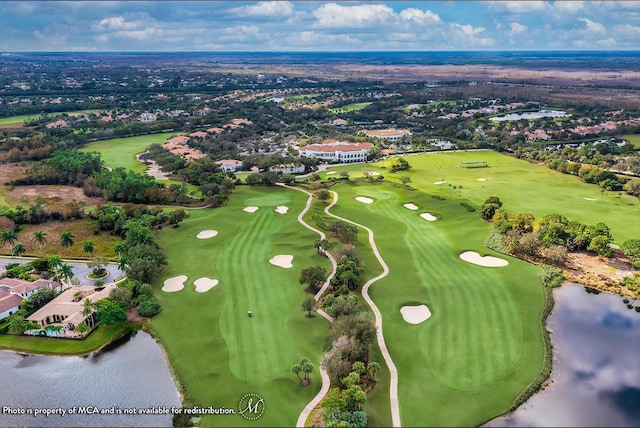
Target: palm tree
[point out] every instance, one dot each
(87, 308)
(119, 248)
(18, 250)
(122, 263)
(8, 237)
(40, 237)
(296, 369)
(55, 262)
(66, 273)
(307, 368)
(66, 239)
(88, 246)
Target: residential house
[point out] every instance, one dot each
(57, 124)
(229, 165)
(13, 291)
(67, 308)
(290, 168)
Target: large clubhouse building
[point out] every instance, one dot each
(392, 134)
(338, 151)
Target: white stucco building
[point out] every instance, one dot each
(338, 151)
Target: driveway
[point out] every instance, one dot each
(80, 269)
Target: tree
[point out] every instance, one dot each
(110, 310)
(66, 273)
(144, 262)
(66, 239)
(88, 246)
(40, 238)
(313, 276)
(600, 245)
(324, 195)
(54, 261)
(344, 174)
(18, 250)
(309, 304)
(405, 179)
(296, 370)
(87, 307)
(149, 307)
(121, 294)
(8, 237)
(307, 368)
(176, 216)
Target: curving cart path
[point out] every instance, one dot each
(393, 389)
(326, 382)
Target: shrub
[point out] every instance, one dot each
(149, 308)
(467, 207)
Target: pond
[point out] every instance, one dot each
(596, 369)
(530, 115)
(131, 374)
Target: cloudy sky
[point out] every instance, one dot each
(318, 25)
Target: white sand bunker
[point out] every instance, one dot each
(482, 179)
(415, 314)
(205, 284)
(251, 209)
(207, 234)
(486, 261)
(439, 182)
(411, 206)
(373, 173)
(428, 217)
(331, 172)
(364, 200)
(174, 284)
(590, 199)
(282, 260)
(281, 209)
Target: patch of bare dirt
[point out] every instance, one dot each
(11, 171)
(52, 195)
(599, 272)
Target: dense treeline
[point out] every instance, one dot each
(551, 238)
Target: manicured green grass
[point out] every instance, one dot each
(523, 188)
(483, 343)
(121, 152)
(633, 139)
(19, 120)
(302, 97)
(350, 107)
(46, 345)
(216, 349)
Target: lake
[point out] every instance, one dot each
(130, 374)
(596, 367)
(530, 115)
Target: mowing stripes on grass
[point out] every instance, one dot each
(257, 345)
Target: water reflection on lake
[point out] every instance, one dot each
(130, 374)
(596, 371)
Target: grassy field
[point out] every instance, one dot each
(13, 121)
(216, 349)
(483, 343)
(633, 139)
(121, 152)
(522, 187)
(349, 107)
(45, 345)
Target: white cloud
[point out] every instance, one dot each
(567, 7)
(138, 35)
(266, 8)
(517, 28)
(593, 27)
(517, 6)
(332, 15)
(417, 15)
(115, 23)
(467, 30)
